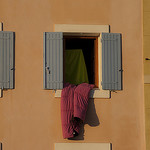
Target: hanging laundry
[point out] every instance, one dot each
(75, 67)
(74, 103)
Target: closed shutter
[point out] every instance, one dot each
(53, 60)
(111, 61)
(6, 60)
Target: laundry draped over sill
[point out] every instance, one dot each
(75, 67)
(74, 103)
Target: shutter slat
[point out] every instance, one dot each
(44, 59)
(116, 66)
(111, 61)
(11, 62)
(109, 65)
(48, 60)
(53, 55)
(61, 64)
(5, 61)
(58, 62)
(54, 62)
(7, 58)
(119, 64)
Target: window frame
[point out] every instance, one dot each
(70, 28)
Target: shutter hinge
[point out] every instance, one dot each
(121, 70)
(48, 70)
(12, 68)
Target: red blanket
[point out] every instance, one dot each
(74, 103)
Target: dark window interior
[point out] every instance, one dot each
(87, 46)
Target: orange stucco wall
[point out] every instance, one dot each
(30, 116)
(146, 54)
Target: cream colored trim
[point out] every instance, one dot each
(0, 93)
(96, 93)
(81, 28)
(78, 34)
(82, 146)
(1, 27)
(100, 62)
(58, 93)
(99, 93)
(146, 78)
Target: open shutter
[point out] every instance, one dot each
(53, 60)
(111, 61)
(6, 60)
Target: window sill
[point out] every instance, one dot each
(81, 146)
(95, 93)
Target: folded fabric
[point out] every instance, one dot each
(74, 103)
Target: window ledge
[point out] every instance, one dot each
(95, 93)
(83, 146)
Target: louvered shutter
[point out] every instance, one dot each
(111, 61)
(6, 60)
(53, 60)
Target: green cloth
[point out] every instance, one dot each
(75, 68)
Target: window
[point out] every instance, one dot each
(109, 61)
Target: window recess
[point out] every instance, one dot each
(85, 67)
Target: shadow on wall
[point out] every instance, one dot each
(91, 119)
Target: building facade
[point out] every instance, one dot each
(30, 115)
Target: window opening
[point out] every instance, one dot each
(89, 47)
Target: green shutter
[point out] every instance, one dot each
(53, 60)
(6, 60)
(111, 61)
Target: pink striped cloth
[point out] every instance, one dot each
(74, 103)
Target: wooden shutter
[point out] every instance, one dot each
(111, 61)
(53, 60)
(6, 60)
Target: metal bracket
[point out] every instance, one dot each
(147, 58)
(114, 91)
(54, 90)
